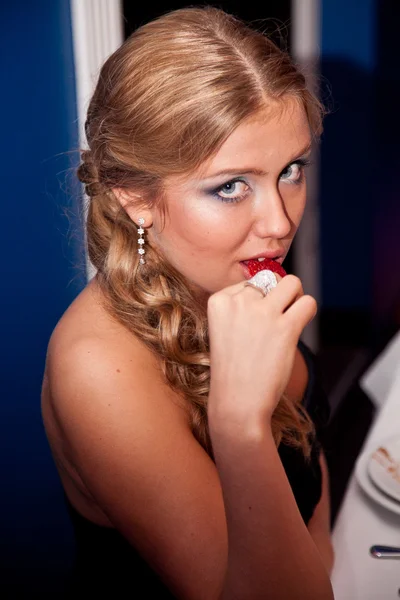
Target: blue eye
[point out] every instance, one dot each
(232, 191)
(294, 173)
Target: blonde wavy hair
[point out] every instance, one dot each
(165, 102)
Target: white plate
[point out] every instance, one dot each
(384, 467)
(361, 473)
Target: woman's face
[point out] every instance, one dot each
(247, 201)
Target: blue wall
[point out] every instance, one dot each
(360, 197)
(42, 271)
(386, 190)
(348, 61)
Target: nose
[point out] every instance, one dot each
(271, 217)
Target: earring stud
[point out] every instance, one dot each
(141, 250)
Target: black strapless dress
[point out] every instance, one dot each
(106, 565)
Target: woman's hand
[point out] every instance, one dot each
(253, 342)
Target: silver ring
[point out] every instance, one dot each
(264, 280)
(256, 287)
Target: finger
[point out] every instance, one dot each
(232, 290)
(286, 293)
(237, 288)
(245, 287)
(301, 313)
(252, 291)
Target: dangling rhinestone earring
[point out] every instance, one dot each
(141, 250)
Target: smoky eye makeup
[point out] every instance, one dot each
(301, 164)
(236, 189)
(232, 190)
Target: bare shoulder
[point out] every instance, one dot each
(92, 355)
(87, 323)
(129, 440)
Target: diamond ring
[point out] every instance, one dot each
(264, 281)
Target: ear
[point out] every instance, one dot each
(134, 206)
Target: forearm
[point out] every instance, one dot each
(323, 542)
(319, 524)
(271, 553)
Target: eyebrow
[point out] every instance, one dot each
(257, 172)
(235, 171)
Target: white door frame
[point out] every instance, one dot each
(97, 31)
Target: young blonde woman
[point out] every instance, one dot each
(182, 411)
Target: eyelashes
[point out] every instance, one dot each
(232, 186)
(293, 174)
(301, 163)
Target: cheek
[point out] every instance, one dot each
(202, 228)
(295, 201)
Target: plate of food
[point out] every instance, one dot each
(368, 486)
(384, 467)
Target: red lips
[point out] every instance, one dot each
(254, 266)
